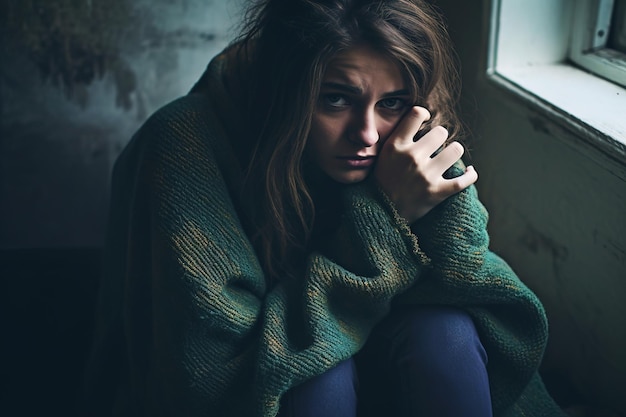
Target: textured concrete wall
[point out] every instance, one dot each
(57, 150)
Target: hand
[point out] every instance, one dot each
(408, 172)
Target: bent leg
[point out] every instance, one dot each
(331, 394)
(432, 361)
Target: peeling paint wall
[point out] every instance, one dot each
(57, 150)
(557, 214)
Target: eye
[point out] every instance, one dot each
(335, 101)
(393, 104)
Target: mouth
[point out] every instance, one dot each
(356, 161)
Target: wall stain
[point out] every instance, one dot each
(539, 125)
(615, 249)
(72, 44)
(537, 242)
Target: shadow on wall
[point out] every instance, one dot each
(48, 305)
(77, 78)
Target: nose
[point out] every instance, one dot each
(364, 128)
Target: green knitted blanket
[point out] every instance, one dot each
(188, 327)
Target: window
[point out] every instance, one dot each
(599, 38)
(535, 51)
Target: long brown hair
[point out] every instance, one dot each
(288, 44)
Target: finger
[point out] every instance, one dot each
(457, 184)
(447, 157)
(409, 125)
(431, 142)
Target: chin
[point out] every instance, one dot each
(350, 178)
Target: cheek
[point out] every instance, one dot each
(325, 127)
(386, 128)
(316, 141)
(325, 132)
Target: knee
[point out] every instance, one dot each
(332, 393)
(340, 380)
(438, 338)
(342, 376)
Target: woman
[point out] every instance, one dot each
(298, 236)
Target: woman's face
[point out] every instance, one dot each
(362, 98)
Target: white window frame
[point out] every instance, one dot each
(590, 32)
(529, 56)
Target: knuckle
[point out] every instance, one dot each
(419, 112)
(395, 148)
(433, 190)
(457, 148)
(441, 131)
(458, 186)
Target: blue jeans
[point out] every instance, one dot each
(417, 362)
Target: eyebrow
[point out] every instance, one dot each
(358, 91)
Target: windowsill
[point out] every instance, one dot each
(589, 105)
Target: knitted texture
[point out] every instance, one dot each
(187, 325)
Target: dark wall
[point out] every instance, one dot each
(76, 80)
